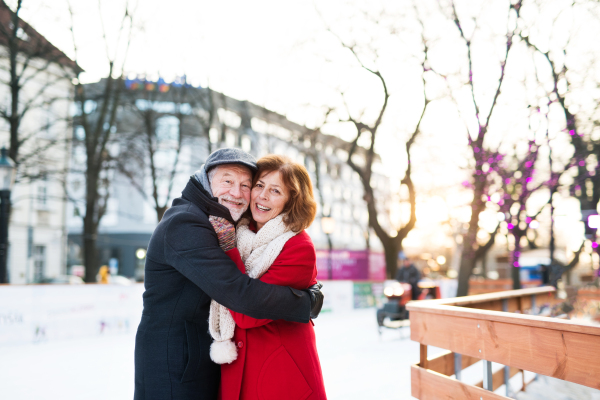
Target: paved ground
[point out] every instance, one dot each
(357, 364)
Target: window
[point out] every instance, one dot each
(39, 262)
(42, 192)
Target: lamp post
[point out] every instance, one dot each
(7, 179)
(328, 226)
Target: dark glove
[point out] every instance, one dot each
(316, 299)
(225, 232)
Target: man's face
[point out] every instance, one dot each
(231, 185)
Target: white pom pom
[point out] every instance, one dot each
(223, 352)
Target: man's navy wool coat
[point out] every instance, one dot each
(185, 269)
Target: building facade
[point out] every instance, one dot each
(187, 128)
(37, 229)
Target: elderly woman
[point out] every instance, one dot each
(265, 359)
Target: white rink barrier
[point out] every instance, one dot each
(38, 313)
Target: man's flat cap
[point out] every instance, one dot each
(230, 156)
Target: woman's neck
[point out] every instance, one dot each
(258, 226)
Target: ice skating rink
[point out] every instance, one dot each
(357, 363)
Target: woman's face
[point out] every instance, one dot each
(268, 198)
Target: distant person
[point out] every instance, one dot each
(186, 267)
(408, 273)
(104, 274)
(271, 359)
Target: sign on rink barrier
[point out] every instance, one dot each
(38, 313)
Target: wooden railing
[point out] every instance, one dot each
(493, 328)
(477, 286)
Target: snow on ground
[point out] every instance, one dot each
(357, 363)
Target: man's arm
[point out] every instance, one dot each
(192, 247)
(294, 267)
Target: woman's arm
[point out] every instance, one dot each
(295, 266)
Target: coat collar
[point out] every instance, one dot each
(195, 193)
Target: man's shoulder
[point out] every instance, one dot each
(183, 216)
(184, 209)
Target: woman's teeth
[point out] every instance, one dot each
(261, 208)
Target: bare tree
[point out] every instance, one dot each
(34, 68)
(484, 158)
(392, 244)
(166, 116)
(96, 116)
(580, 125)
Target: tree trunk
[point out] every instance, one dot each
(391, 249)
(514, 264)
(464, 274)
(90, 251)
(160, 212)
(90, 226)
(468, 257)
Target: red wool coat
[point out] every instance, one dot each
(277, 360)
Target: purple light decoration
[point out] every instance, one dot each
(507, 181)
(516, 264)
(476, 149)
(466, 184)
(528, 219)
(528, 164)
(517, 254)
(581, 163)
(572, 132)
(510, 226)
(594, 245)
(529, 179)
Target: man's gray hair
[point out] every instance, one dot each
(211, 173)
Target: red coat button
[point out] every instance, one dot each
(240, 344)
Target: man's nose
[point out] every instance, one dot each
(236, 191)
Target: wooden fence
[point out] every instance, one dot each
(495, 328)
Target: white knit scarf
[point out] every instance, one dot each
(258, 251)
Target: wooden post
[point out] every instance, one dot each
(423, 362)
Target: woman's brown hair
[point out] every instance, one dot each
(301, 207)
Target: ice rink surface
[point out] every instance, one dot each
(357, 363)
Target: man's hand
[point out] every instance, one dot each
(316, 299)
(225, 232)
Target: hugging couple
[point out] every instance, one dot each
(231, 287)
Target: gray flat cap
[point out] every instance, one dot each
(231, 156)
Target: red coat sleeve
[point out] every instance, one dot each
(295, 267)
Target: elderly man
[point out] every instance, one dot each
(186, 268)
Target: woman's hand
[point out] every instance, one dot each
(225, 232)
